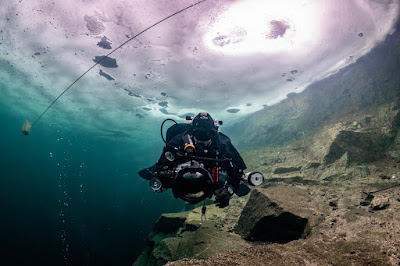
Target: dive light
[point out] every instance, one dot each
(155, 184)
(254, 178)
(189, 146)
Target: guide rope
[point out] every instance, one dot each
(383, 189)
(106, 56)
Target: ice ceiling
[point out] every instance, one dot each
(227, 57)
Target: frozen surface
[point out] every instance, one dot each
(226, 57)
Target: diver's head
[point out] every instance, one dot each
(204, 128)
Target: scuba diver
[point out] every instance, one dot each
(198, 161)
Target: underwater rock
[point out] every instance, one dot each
(169, 223)
(106, 62)
(384, 177)
(321, 252)
(379, 203)
(312, 165)
(367, 200)
(281, 170)
(360, 147)
(101, 73)
(333, 203)
(185, 235)
(291, 180)
(104, 43)
(273, 214)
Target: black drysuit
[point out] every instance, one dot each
(221, 148)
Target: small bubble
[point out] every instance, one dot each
(51, 155)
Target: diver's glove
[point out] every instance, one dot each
(222, 196)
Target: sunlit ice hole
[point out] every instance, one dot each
(254, 26)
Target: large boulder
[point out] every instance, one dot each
(186, 235)
(279, 214)
(361, 147)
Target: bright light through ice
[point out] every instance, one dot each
(265, 26)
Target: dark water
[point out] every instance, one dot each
(73, 199)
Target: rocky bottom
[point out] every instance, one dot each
(330, 199)
(342, 232)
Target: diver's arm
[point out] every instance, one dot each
(234, 177)
(236, 165)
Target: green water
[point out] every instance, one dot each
(73, 198)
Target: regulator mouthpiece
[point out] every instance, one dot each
(26, 127)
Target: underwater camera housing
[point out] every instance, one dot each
(192, 182)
